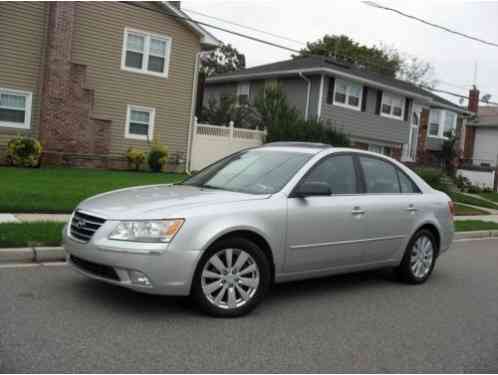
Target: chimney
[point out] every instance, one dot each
(176, 4)
(474, 100)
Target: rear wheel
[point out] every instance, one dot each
(419, 259)
(231, 278)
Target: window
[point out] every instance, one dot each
(256, 171)
(140, 123)
(347, 94)
(406, 184)
(336, 171)
(146, 53)
(392, 106)
(15, 108)
(380, 176)
(441, 123)
(243, 89)
(384, 150)
(449, 123)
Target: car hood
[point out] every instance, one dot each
(157, 201)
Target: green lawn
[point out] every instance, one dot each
(470, 225)
(61, 189)
(491, 196)
(462, 198)
(465, 210)
(41, 233)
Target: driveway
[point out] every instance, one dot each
(52, 319)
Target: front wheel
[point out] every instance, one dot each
(419, 259)
(231, 278)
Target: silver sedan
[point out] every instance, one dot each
(280, 212)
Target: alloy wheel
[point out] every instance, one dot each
(230, 278)
(421, 257)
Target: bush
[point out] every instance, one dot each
(284, 123)
(157, 157)
(24, 152)
(135, 158)
(434, 177)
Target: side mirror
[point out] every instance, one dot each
(313, 189)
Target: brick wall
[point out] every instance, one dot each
(66, 124)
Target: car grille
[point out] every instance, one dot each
(83, 226)
(96, 269)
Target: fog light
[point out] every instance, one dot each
(139, 278)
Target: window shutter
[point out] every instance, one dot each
(364, 99)
(379, 102)
(408, 103)
(330, 92)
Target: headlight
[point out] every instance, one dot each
(147, 231)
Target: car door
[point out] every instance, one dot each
(391, 206)
(326, 231)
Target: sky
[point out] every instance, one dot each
(453, 57)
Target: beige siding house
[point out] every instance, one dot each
(91, 80)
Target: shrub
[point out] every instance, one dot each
(24, 152)
(434, 177)
(157, 157)
(284, 123)
(135, 158)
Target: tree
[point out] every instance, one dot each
(345, 49)
(381, 59)
(223, 59)
(449, 153)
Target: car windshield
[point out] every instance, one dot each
(256, 171)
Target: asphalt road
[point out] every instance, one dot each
(52, 319)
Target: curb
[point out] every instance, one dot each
(476, 234)
(32, 255)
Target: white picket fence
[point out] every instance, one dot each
(214, 142)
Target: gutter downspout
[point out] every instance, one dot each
(192, 111)
(308, 93)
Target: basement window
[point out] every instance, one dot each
(140, 123)
(146, 53)
(15, 108)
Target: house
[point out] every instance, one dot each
(380, 113)
(91, 80)
(481, 147)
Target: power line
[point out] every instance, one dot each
(444, 28)
(216, 27)
(457, 95)
(245, 27)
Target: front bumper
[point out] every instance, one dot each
(169, 272)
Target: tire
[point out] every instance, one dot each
(244, 285)
(407, 271)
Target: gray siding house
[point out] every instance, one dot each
(379, 113)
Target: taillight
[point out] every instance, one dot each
(451, 208)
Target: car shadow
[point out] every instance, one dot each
(133, 302)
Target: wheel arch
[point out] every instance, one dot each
(431, 227)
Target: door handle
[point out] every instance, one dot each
(411, 208)
(357, 211)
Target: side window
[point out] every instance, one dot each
(380, 176)
(407, 185)
(337, 171)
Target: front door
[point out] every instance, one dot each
(327, 231)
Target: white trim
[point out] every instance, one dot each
(152, 118)
(146, 53)
(320, 96)
(27, 109)
(345, 104)
(193, 119)
(308, 94)
(389, 115)
(206, 37)
(333, 72)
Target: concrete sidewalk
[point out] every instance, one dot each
(26, 218)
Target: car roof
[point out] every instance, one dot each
(308, 147)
